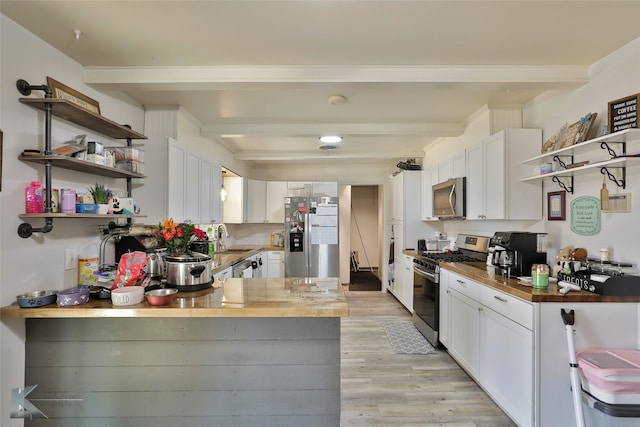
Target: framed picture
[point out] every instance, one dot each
(556, 206)
(61, 91)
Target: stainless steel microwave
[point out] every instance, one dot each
(449, 199)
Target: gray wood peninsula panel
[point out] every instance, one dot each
(254, 352)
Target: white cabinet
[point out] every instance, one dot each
(490, 334)
(429, 179)
(453, 167)
(308, 188)
(506, 357)
(264, 200)
(403, 211)
(464, 337)
(275, 264)
(233, 206)
(403, 287)
(176, 180)
(276, 193)
(226, 274)
(494, 171)
(193, 183)
(443, 312)
(256, 201)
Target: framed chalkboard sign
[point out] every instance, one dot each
(623, 113)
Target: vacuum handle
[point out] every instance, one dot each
(567, 317)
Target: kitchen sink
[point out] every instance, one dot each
(233, 251)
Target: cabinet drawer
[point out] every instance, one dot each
(275, 255)
(465, 286)
(509, 306)
(405, 259)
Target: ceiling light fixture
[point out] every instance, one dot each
(337, 99)
(330, 139)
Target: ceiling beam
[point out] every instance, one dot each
(211, 77)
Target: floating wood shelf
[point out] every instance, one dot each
(71, 163)
(74, 114)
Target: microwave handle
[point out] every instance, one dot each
(453, 191)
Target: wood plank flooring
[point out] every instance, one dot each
(381, 388)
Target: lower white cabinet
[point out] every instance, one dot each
(226, 273)
(506, 364)
(490, 334)
(275, 264)
(403, 287)
(464, 337)
(445, 303)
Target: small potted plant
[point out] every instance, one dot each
(100, 196)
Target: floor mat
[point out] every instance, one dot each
(406, 339)
(364, 280)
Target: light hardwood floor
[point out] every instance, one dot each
(381, 388)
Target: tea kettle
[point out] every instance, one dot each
(155, 265)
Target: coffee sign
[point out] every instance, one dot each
(623, 113)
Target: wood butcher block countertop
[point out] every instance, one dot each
(267, 297)
(486, 275)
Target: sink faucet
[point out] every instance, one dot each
(222, 228)
(217, 230)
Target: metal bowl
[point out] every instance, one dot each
(161, 296)
(72, 297)
(37, 298)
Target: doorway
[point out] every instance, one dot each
(365, 238)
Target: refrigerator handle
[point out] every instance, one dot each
(307, 241)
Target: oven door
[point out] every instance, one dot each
(426, 310)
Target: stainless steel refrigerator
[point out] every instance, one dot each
(311, 237)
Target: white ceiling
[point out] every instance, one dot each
(412, 71)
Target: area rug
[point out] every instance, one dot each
(364, 280)
(406, 339)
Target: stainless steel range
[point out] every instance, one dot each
(426, 280)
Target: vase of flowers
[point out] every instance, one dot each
(177, 236)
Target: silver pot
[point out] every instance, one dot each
(190, 271)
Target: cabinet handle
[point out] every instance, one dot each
(462, 282)
(499, 298)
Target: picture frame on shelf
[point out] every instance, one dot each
(556, 206)
(576, 132)
(62, 91)
(551, 143)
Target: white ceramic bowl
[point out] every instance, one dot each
(128, 295)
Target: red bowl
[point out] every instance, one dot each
(162, 296)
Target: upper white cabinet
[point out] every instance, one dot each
(308, 188)
(265, 201)
(453, 167)
(256, 201)
(429, 179)
(193, 183)
(233, 206)
(276, 192)
(176, 180)
(494, 171)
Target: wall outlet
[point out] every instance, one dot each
(70, 259)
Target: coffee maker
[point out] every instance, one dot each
(514, 252)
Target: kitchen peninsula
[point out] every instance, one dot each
(250, 352)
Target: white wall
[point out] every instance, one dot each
(38, 262)
(613, 77)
